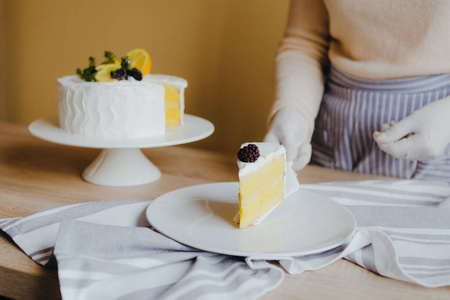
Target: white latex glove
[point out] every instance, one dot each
(290, 129)
(422, 135)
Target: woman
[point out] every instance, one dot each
(365, 85)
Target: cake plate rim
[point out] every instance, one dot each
(194, 129)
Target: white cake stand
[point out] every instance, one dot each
(121, 162)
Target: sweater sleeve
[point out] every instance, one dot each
(301, 60)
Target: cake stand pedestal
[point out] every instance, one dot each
(121, 162)
(121, 167)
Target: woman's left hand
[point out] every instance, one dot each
(422, 135)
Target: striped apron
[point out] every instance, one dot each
(353, 108)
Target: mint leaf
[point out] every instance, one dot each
(125, 63)
(88, 74)
(110, 57)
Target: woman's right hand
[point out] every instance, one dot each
(290, 129)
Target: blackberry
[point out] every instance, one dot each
(135, 73)
(119, 74)
(249, 153)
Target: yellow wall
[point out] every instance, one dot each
(224, 48)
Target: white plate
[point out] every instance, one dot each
(201, 216)
(194, 129)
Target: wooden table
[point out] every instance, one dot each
(35, 174)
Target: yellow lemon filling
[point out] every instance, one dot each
(172, 103)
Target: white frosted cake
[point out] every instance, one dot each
(120, 109)
(120, 99)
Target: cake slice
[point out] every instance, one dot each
(174, 97)
(262, 181)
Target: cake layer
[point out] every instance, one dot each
(172, 103)
(254, 205)
(122, 109)
(253, 181)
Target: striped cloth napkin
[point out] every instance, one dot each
(403, 230)
(105, 250)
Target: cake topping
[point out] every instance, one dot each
(122, 74)
(249, 153)
(136, 63)
(119, 74)
(88, 74)
(104, 72)
(135, 73)
(125, 62)
(140, 59)
(110, 58)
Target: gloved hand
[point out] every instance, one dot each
(422, 135)
(291, 129)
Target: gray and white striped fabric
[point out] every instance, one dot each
(353, 108)
(403, 229)
(106, 250)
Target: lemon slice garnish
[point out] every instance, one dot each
(140, 59)
(104, 72)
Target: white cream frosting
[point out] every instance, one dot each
(266, 150)
(121, 109)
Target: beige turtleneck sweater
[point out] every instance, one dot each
(371, 39)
